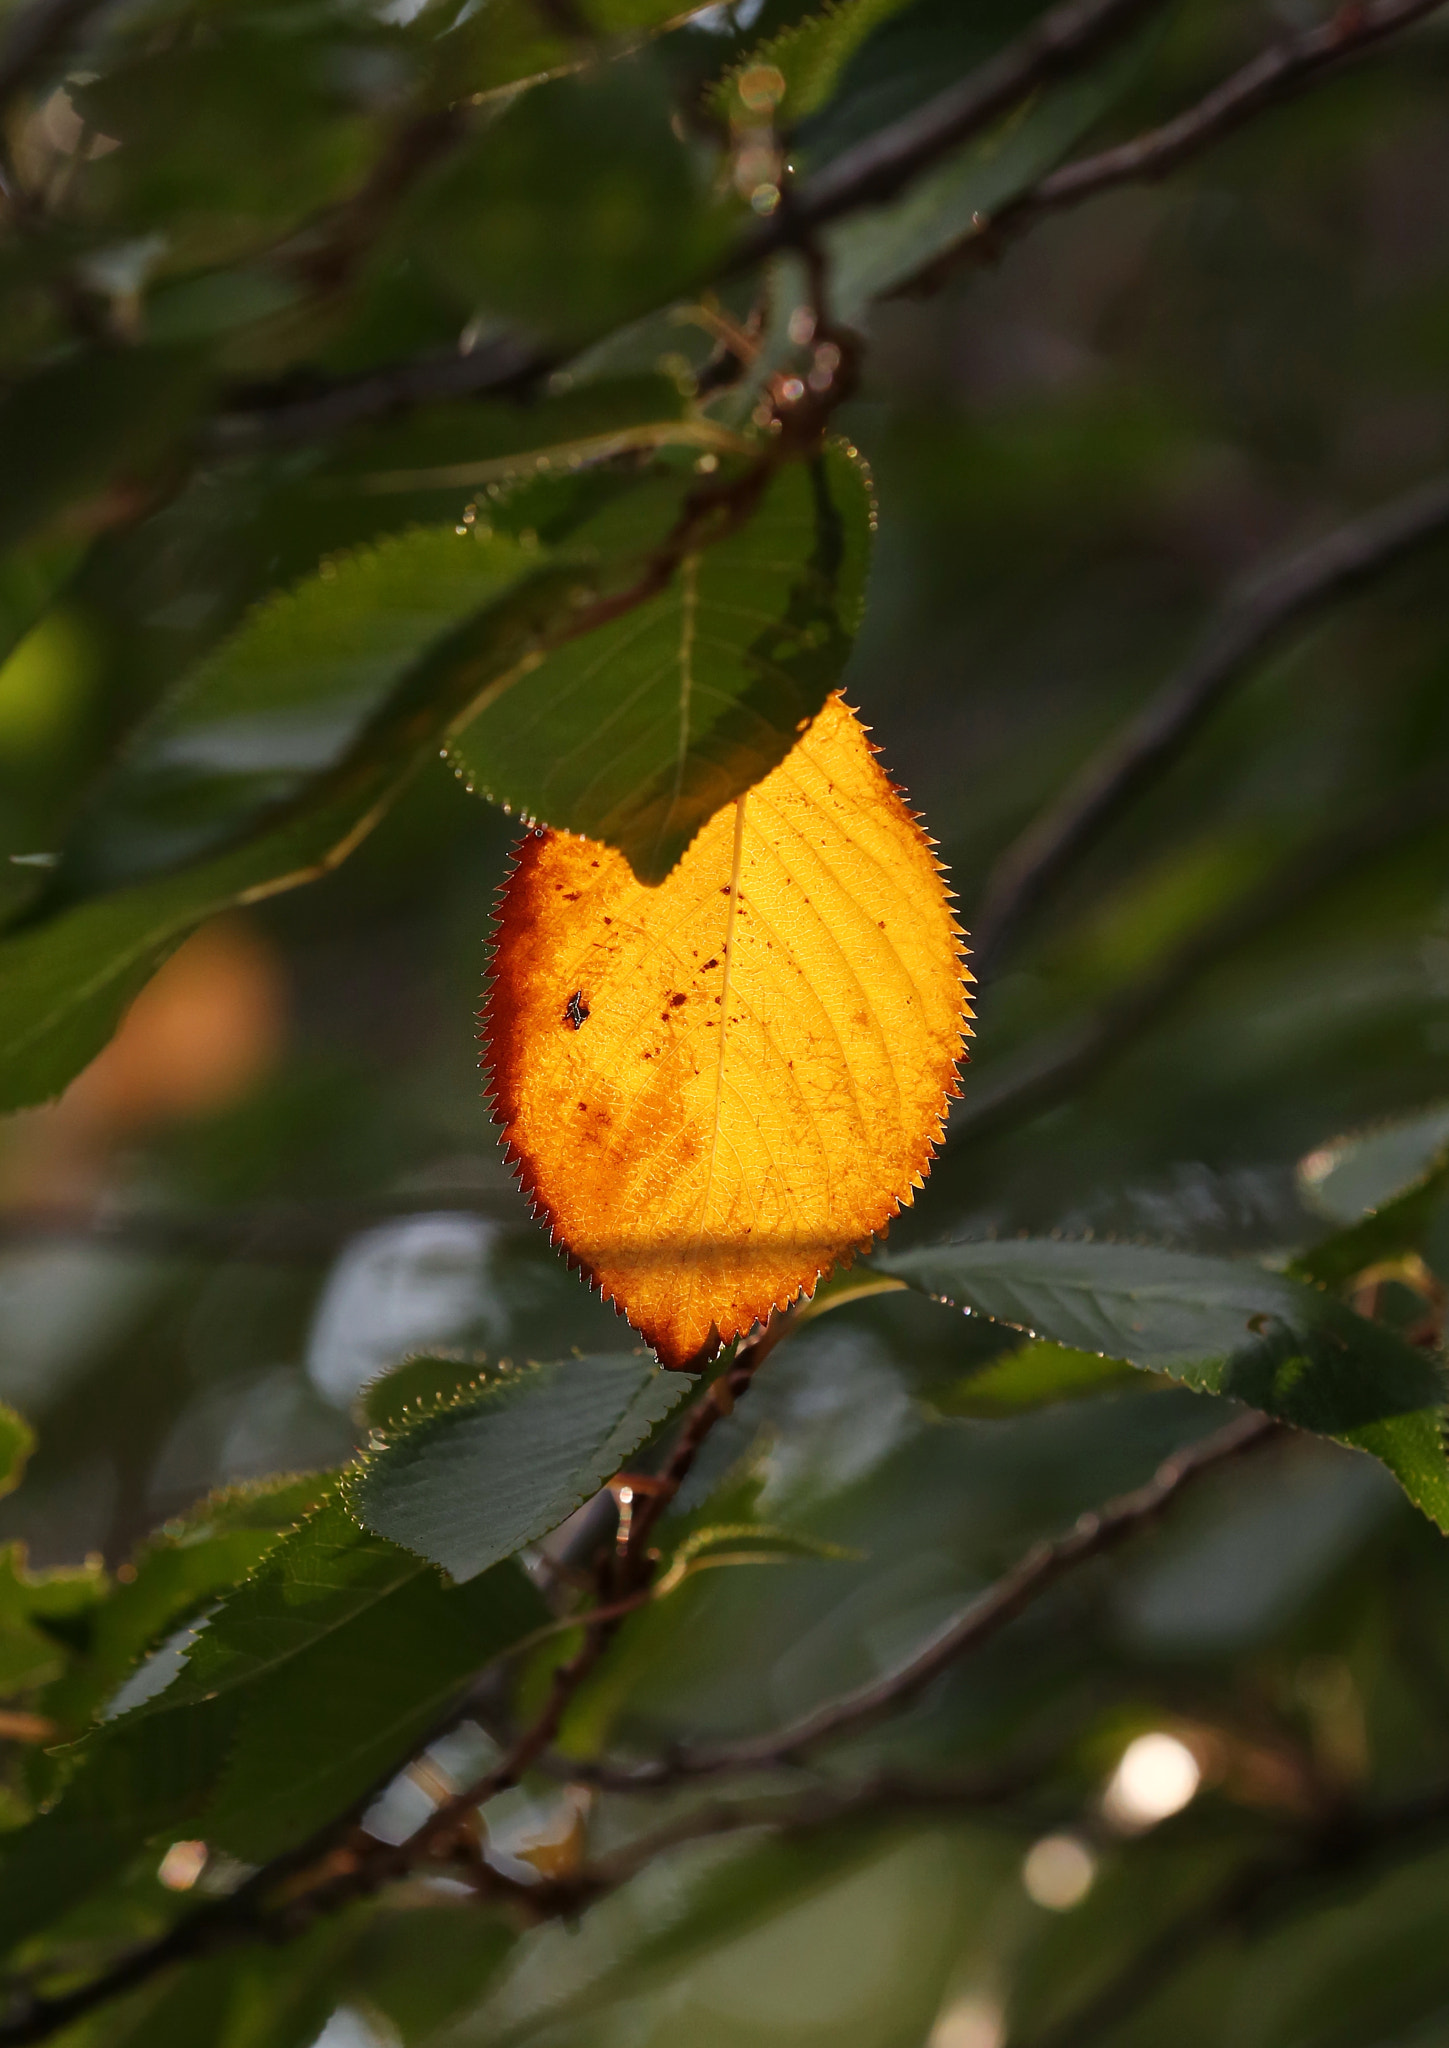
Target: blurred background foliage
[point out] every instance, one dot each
(279, 1178)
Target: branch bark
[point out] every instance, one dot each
(1273, 75)
(1094, 1535)
(868, 175)
(1065, 38)
(1246, 626)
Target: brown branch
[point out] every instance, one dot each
(1275, 74)
(1045, 1073)
(1043, 1567)
(1062, 41)
(1246, 625)
(1068, 36)
(327, 1874)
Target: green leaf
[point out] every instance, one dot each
(272, 1996)
(44, 1617)
(294, 1700)
(173, 1576)
(294, 737)
(453, 615)
(1219, 1327)
(333, 1724)
(809, 55)
(17, 1441)
(231, 137)
(735, 1543)
(1387, 1184)
(95, 422)
(514, 42)
(872, 253)
(1357, 1175)
(508, 1458)
(641, 730)
(578, 208)
(30, 579)
(422, 1970)
(1032, 1377)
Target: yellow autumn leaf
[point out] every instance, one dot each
(717, 1088)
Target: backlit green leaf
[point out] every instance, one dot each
(641, 730)
(506, 1459)
(1220, 1327)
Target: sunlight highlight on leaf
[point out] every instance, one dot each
(717, 1089)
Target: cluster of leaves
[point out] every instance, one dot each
(383, 383)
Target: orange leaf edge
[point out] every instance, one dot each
(524, 1169)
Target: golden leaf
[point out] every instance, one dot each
(717, 1088)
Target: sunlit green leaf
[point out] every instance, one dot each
(1223, 1328)
(640, 731)
(507, 1458)
(1032, 1377)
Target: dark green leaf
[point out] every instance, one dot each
(810, 56)
(422, 1970)
(1219, 1327)
(874, 252)
(65, 981)
(641, 730)
(295, 1699)
(1355, 1176)
(1387, 1184)
(82, 437)
(1033, 1377)
(189, 1563)
(44, 1615)
(505, 1460)
(577, 208)
(17, 1441)
(528, 40)
(333, 1723)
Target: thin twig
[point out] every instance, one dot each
(1068, 36)
(875, 170)
(1042, 1568)
(1247, 623)
(1056, 1066)
(1273, 75)
(714, 1405)
(327, 1875)
(278, 416)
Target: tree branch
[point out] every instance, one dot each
(1246, 625)
(278, 416)
(325, 1875)
(1273, 75)
(883, 1796)
(1065, 38)
(868, 175)
(1043, 1567)
(1068, 36)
